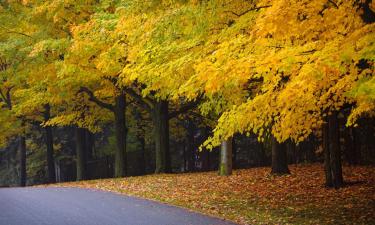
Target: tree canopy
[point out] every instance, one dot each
(271, 68)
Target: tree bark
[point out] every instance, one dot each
(291, 149)
(205, 159)
(190, 148)
(23, 175)
(142, 157)
(279, 158)
(335, 153)
(161, 136)
(49, 144)
(262, 158)
(332, 153)
(119, 109)
(81, 153)
(184, 155)
(234, 153)
(89, 137)
(121, 134)
(327, 156)
(225, 168)
(160, 117)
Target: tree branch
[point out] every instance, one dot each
(9, 31)
(334, 3)
(249, 10)
(113, 80)
(307, 52)
(188, 106)
(6, 97)
(145, 103)
(2, 96)
(95, 99)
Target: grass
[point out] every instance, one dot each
(252, 196)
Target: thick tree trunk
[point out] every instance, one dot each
(335, 153)
(49, 144)
(161, 136)
(332, 153)
(121, 134)
(81, 153)
(279, 158)
(225, 168)
(22, 147)
(327, 156)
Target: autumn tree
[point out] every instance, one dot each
(304, 70)
(14, 48)
(43, 95)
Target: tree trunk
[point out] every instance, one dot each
(22, 147)
(262, 158)
(310, 150)
(234, 153)
(142, 158)
(335, 154)
(184, 155)
(121, 134)
(81, 153)
(279, 158)
(225, 168)
(291, 149)
(327, 156)
(49, 144)
(161, 136)
(89, 137)
(190, 147)
(205, 158)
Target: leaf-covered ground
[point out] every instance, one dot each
(252, 196)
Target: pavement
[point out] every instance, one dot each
(75, 206)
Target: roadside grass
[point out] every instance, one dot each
(252, 196)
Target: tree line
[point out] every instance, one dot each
(283, 71)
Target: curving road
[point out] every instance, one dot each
(73, 206)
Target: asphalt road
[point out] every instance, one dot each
(73, 206)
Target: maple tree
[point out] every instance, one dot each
(291, 76)
(14, 49)
(284, 70)
(142, 86)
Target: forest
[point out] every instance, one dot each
(100, 89)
